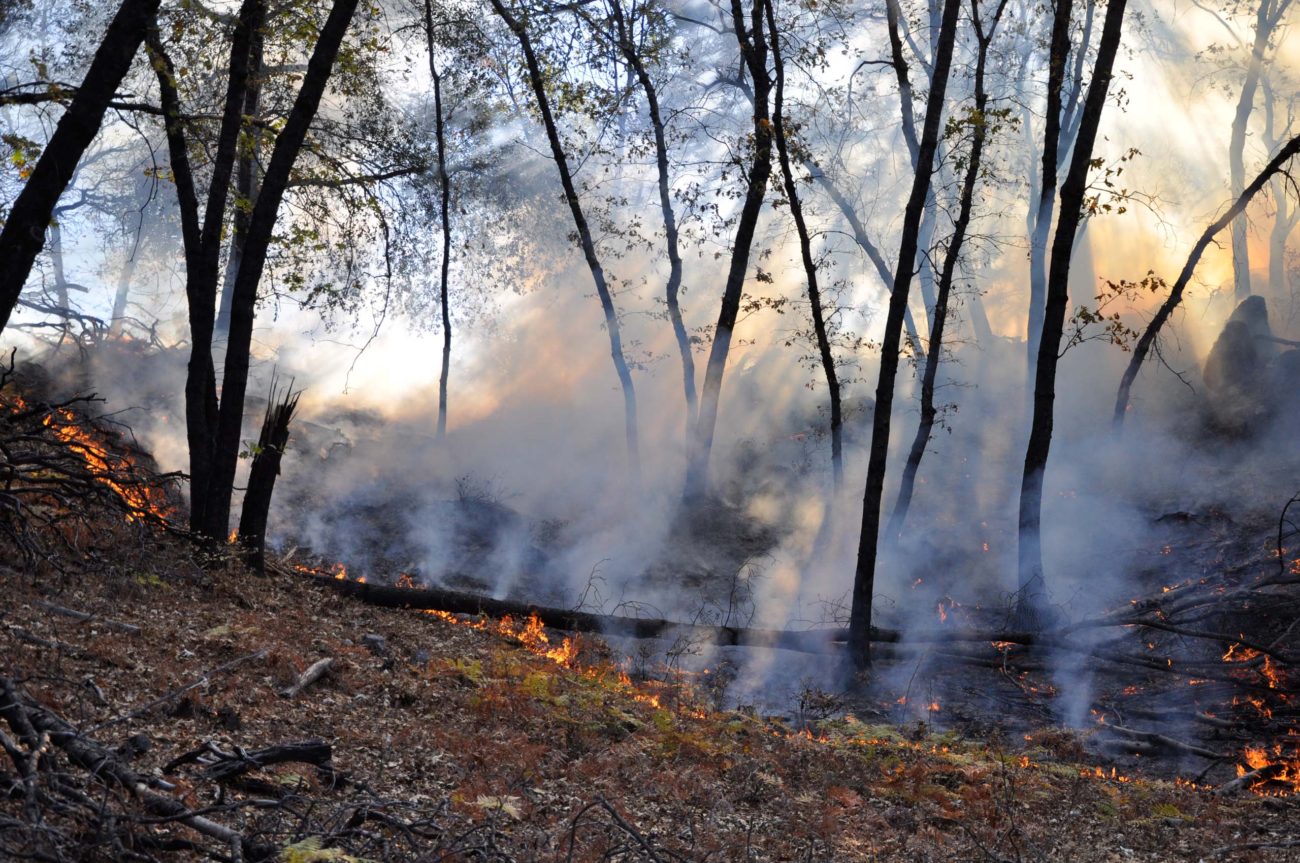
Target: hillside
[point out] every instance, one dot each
(455, 739)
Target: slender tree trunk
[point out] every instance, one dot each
(124, 278)
(865, 573)
(538, 82)
(1285, 216)
(671, 238)
(907, 114)
(1266, 18)
(1284, 223)
(25, 224)
(805, 251)
(753, 52)
(288, 144)
(1031, 596)
(1045, 211)
(938, 320)
(444, 205)
(1147, 340)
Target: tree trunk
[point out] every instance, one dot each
(261, 476)
(1145, 342)
(1031, 596)
(753, 52)
(805, 251)
(538, 81)
(1264, 23)
(288, 144)
(245, 183)
(23, 235)
(939, 317)
(124, 278)
(865, 572)
(202, 244)
(444, 203)
(671, 243)
(1045, 211)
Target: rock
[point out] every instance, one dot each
(375, 643)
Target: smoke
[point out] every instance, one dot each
(529, 496)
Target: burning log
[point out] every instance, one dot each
(459, 602)
(1251, 778)
(314, 672)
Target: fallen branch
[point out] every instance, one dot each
(107, 767)
(86, 616)
(1163, 742)
(314, 672)
(1245, 780)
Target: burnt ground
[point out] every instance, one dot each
(457, 743)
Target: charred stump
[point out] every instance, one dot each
(261, 478)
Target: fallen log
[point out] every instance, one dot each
(25, 717)
(1245, 780)
(571, 620)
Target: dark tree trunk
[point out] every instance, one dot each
(753, 52)
(261, 476)
(671, 244)
(23, 235)
(805, 251)
(201, 235)
(1031, 596)
(939, 317)
(1147, 340)
(865, 573)
(538, 82)
(288, 144)
(444, 206)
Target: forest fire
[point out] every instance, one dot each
(54, 451)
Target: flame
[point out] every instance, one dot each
(943, 613)
(1278, 773)
(107, 466)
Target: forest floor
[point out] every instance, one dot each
(461, 740)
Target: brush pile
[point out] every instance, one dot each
(66, 476)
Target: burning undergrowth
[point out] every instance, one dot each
(66, 472)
